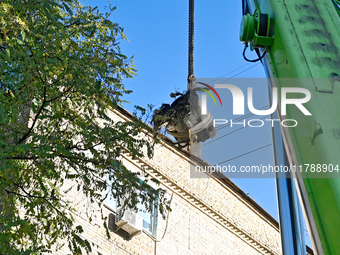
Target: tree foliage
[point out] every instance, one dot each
(61, 74)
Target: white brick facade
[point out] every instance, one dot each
(209, 215)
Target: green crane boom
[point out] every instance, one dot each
(302, 42)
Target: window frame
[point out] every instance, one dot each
(153, 214)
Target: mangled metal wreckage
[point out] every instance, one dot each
(183, 120)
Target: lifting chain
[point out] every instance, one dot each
(191, 76)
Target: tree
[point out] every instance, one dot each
(61, 74)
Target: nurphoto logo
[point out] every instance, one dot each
(239, 99)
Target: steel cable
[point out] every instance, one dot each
(191, 39)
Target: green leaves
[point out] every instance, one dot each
(62, 73)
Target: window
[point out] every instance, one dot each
(149, 218)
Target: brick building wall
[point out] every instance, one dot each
(209, 215)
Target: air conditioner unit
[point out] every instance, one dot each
(129, 221)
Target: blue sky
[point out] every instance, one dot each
(158, 40)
